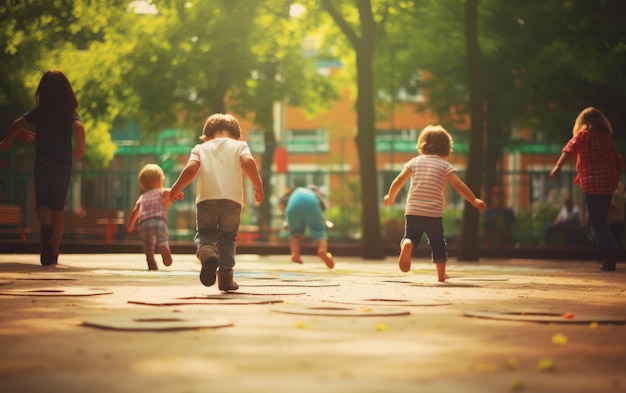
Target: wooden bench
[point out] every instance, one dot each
(92, 223)
(12, 221)
(247, 234)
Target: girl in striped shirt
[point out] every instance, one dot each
(425, 200)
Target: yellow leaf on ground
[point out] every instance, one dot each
(518, 386)
(512, 363)
(546, 364)
(381, 327)
(559, 339)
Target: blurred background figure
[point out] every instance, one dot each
(568, 220)
(304, 207)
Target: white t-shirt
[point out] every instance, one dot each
(220, 175)
(426, 192)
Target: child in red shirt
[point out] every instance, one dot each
(598, 167)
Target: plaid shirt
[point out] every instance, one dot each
(598, 165)
(152, 205)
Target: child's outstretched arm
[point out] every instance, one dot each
(396, 186)
(184, 179)
(252, 171)
(133, 216)
(465, 191)
(18, 128)
(559, 164)
(166, 197)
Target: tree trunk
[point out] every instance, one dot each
(373, 245)
(497, 135)
(265, 209)
(469, 248)
(265, 117)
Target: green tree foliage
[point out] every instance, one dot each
(38, 35)
(223, 55)
(543, 62)
(283, 70)
(562, 56)
(187, 58)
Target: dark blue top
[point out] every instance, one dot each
(53, 139)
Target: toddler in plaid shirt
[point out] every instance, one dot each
(150, 213)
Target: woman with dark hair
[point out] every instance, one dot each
(55, 121)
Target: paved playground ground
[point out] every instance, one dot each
(103, 323)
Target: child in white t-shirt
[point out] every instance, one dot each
(220, 163)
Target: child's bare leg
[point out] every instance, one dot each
(404, 261)
(294, 246)
(441, 271)
(152, 265)
(166, 254)
(322, 252)
(57, 232)
(48, 252)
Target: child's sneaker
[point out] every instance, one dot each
(225, 281)
(208, 259)
(609, 261)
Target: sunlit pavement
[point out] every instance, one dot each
(103, 323)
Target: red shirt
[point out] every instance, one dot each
(598, 164)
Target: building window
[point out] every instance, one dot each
(402, 141)
(303, 179)
(306, 141)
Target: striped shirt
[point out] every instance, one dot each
(598, 164)
(428, 178)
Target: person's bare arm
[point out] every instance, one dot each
(465, 191)
(252, 172)
(133, 216)
(17, 129)
(396, 186)
(79, 132)
(565, 157)
(166, 197)
(184, 179)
